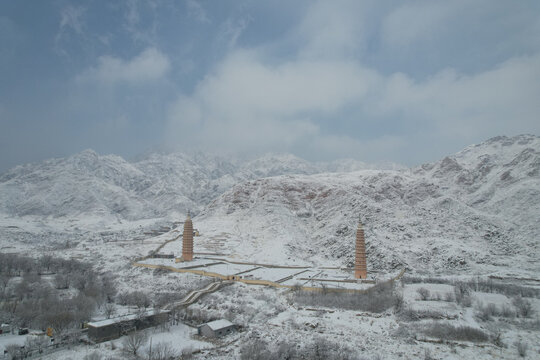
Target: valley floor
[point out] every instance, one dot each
(458, 316)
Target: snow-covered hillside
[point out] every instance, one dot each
(477, 210)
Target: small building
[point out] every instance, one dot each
(216, 328)
(109, 329)
(5, 329)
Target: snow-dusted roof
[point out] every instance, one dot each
(128, 317)
(219, 324)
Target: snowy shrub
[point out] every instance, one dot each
(507, 312)
(93, 356)
(61, 281)
(522, 348)
(187, 353)
(377, 299)
(497, 341)
(462, 294)
(523, 306)
(492, 286)
(402, 331)
(319, 349)
(445, 331)
(409, 314)
(255, 350)
(398, 301)
(161, 351)
(485, 313)
(424, 293)
(427, 355)
(408, 279)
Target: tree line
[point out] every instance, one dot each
(51, 292)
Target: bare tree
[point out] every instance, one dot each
(15, 351)
(109, 310)
(523, 306)
(424, 293)
(140, 299)
(61, 322)
(108, 287)
(522, 348)
(133, 342)
(4, 281)
(46, 261)
(80, 281)
(162, 351)
(61, 281)
(36, 343)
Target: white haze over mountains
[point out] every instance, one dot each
(477, 210)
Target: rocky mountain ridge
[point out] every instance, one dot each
(154, 186)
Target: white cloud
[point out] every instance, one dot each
(252, 102)
(247, 105)
(149, 65)
(231, 30)
(197, 11)
(70, 22)
(135, 11)
(71, 19)
(501, 100)
(333, 29)
(416, 21)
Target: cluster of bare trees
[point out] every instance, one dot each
(133, 344)
(50, 292)
(319, 348)
(479, 284)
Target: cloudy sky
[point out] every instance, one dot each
(401, 81)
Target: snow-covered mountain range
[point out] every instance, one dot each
(92, 184)
(477, 210)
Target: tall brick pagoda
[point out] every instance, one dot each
(187, 240)
(360, 267)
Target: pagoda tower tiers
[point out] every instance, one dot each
(187, 240)
(360, 267)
